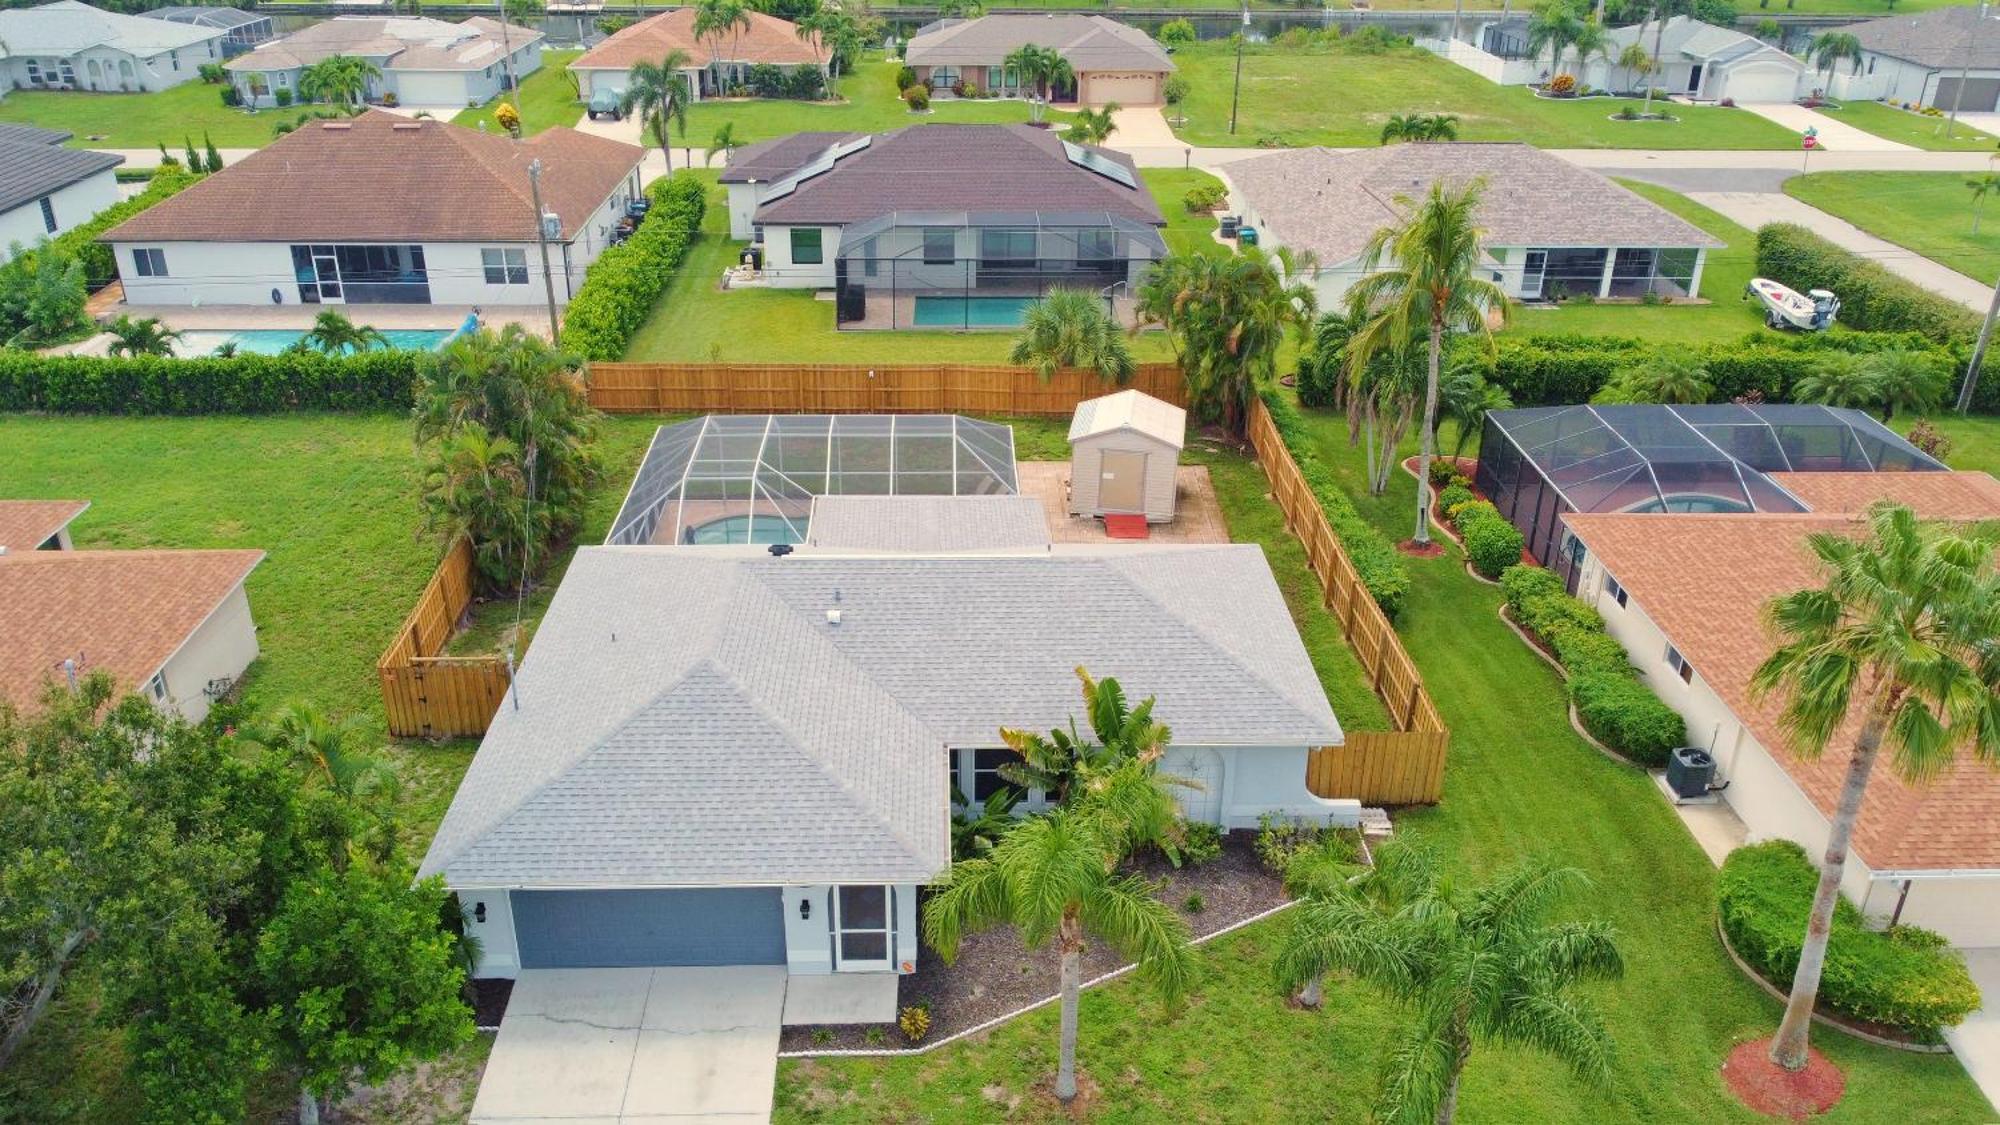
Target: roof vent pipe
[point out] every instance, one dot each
(833, 617)
(780, 550)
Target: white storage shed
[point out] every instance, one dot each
(1124, 450)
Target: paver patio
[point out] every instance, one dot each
(1197, 515)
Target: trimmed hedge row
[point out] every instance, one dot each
(625, 282)
(1374, 557)
(100, 266)
(1491, 543)
(1871, 297)
(1614, 704)
(1905, 977)
(242, 384)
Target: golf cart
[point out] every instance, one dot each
(607, 103)
(1786, 308)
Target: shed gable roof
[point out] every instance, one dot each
(1131, 410)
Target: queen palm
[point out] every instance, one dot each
(1980, 186)
(723, 141)
(714, 19)
(1634, 61)
(1424, 276)
(1072, 328)
(1227, 318)
(1054, 879)
(1553, 28)
(1897, 646)
(1483, 965)
(145, 336)
(334, 334)
(1831, 48)
(658, 93)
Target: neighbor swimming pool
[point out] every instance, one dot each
(271, 341)
(971, 312)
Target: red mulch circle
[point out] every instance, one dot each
(1429, 550)
(1773, 1091)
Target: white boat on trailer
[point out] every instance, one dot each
(1785, 307)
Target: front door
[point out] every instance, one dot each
(1534, 271)
(1694, 79)
(1121, 481)
(861, 924)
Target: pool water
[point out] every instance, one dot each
(971, 312)
(272, 341)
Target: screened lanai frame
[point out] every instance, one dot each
(1535, 464)
(751, 478)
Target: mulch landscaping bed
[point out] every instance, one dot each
(995, 976)
(1773, 1091)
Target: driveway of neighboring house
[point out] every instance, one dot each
(1834, 134)
(1976, 1042)
(1142, 126)
(615, 1046)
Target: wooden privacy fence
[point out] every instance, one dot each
(789, 388)
(428, 695)
(1400, 767)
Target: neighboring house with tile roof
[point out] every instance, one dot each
(174, 626)
(382, 209)
(1684, 593)
(69, 45)
(945, 225)
(759, 768)
(1550, 227)
(47, 187)
(1112, 61)
(424, 62)
(1947, 57)
(716, 63)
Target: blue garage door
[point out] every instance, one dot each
(601, 929)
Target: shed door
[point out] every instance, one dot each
(604, 929)
(1981, 94)
(1121, 481)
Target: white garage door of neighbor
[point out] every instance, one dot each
(1755, 85)
(1125, 89)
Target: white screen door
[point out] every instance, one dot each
(861, 923)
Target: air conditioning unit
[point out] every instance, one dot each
(1690, 769)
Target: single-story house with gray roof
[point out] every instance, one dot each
(1947, 57)
(1551, 228)
(725, 755)
(46, 187)
(70, 45)
(1112, 61)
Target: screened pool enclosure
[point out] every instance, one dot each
(1538, 463)
(752, 478)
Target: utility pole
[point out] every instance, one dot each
(542, 238)
(1964, 70)
(1236, 91)
(1971, 383)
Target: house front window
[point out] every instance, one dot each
(149, 262)
(157, 687)
(504, 266)
(48, 213)
(940, 246)
(808, 248)
(986, 779)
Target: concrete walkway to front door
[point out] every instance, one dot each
(625, 1046)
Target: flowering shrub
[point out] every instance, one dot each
(1562, 86)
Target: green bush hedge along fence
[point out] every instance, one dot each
(1871, 298)
(99, 266)
(1614, 704)
(1491, 543)
(1904, 978)
(625, 282)
(1374, 557)
(242, 384)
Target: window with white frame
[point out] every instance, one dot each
(157, 687)
(504, 266)
(1612, 588)
(149, 261)
(1680, 665)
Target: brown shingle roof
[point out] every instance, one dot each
(121, 612)
(779, 157)
(380, 177)
(1937, 496)
(1704, 580)
(27, 524)
(767, 40)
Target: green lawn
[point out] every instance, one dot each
(143, 120)
(697, 321)
(1186, 232)
(1911, 128)
(1725, 317)
(1928, 212)
(1975, 439)
(546, 97)
(1341, 96)
(1519, 783)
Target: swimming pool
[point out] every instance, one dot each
(971, 312)
(271, 341)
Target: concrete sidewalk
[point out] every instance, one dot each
(1754, 209)
(1835, 134)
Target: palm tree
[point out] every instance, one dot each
(1669, 375)
(1661, 11)
(1227, 317)
(1439, 127)
(715, 18)
(1093, 126)
(658, 92)
(1830, 48)
(1483, 965)
(1042, 69)
(141, 337)
(338, 78)
(1981, 185)
(1053, 877)
(1061, 763)
(1838, 380)
(1402, 127)
(1467, 398)
(1898, 646)
(1589, 39)
(723, 141)
(1433, 286)
(1072, 328)
(325, 748)
(1634, 60)
(1553, 28)
(334, 334)
(816, 29)
(1906, 380)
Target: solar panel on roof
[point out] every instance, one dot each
(1100, 164)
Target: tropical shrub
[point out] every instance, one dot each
(1443, 472)
(915, 1022)
(625, 282)
(1201, 842)
(1871, 297)
(1521, 583)
(1562, 86)
(1930, 439)
(1281, 840)
(1178, 32)
(240, 384)
(1584, 651)
(1204, 197)
(1375, 559)
(905, 78)
(283, 96)
(1903, 977)
(1452, 496)
(1624, 714)
(917, 98)
(1491, 543)
(1614, 704)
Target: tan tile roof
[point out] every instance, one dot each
(121, 612)
(380, 177)
(1704, 580)
(27, 524)
(1938, 496)
(767, 40)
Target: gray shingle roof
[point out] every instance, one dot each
(1937, 38)
(33, 134)
(1695, 39)
(957, 168)
(31, 169)
(689, 716)
(68, 26)
(931, 524)
(1088, 42)
(779, 157)
(1331, 203)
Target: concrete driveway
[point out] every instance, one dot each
(1833, 133)
(1142, 126)
(1976, 1042)
(625, 1046)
